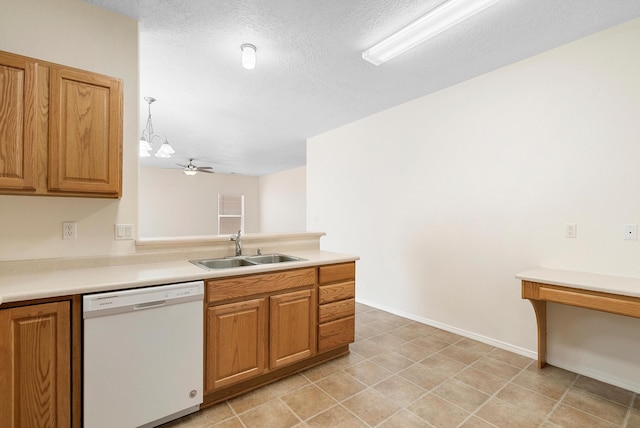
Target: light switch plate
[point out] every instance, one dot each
(123, 232)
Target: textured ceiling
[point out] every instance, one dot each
(310, 76)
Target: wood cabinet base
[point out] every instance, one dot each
(267, 378)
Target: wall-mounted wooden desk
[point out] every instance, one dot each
(607, 293)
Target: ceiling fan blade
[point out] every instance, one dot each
(184, 166)
(206, 171)
(204, 167)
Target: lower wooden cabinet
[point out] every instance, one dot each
(35, 365)
(264, 326)
(292, 328)
(336, 311)
(256, 324)
(235, 343)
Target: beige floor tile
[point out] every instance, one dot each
(308, 401)
(402, 373)
(476, 422)
(368, 372)
(399, 390)
(335, 417)
(480, 380)
(413, 351)
(388, 340)
(252, 399)
(507, 415)
(604, 390)
(530, 401)
(550, 381)
(474, 345)
(510, 358)
(367, 348)
(443, 364)
(371, 406)
(496, 368)
(461, 394)
(446, 336)
(465, 356)
(438, 412)
(365, 331)
(431, 343)
(423, 376)
(404, 419)
(634, 419)
(272, 414)
(568, 417)
(595, 405)
(229, 423)
(323, 370)
(392, 361)
(341, 385)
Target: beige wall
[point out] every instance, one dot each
(77, 34)
(283, 202)
(447, 197)
(174, 204)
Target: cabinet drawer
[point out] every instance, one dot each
(242, 286)
(336, 310)
(336, 333)
(340, 272)
(335, 292)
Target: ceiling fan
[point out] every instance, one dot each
(191, 169)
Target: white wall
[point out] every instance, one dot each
(283, 201)
(447, 197)
(76, 34)
(174, 204)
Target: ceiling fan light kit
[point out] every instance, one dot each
(191, 169)
(147, 137)
(248, 56)
(437, 20)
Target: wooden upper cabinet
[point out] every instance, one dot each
(60, 130)
(85, 132)
(18, 114)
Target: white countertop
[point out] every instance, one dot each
(62, 282)
(626, 286)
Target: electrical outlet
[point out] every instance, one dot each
(69, 230)
(570, 230)
(630, 232)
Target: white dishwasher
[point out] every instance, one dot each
(143, 356)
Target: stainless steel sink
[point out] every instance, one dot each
(273, 258)
(239, 261)
(222, 263)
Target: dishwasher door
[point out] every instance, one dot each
(143, 355)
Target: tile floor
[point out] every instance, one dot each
(404, 374)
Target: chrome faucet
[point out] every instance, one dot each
(238, 242)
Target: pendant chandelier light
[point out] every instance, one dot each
(146, 139)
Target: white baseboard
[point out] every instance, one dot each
(585, 371)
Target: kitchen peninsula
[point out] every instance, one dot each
(43, 299)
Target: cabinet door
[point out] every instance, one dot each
(18, 126)
(235, 342)
(85, 132)
(35, 361)
(292, 328)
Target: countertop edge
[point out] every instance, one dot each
(66, 282)
(614, 284)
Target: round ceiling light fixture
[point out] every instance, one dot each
(248, 56)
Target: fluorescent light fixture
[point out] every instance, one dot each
(437, 20)
(248, 56)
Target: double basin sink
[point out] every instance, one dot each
(239, 261)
